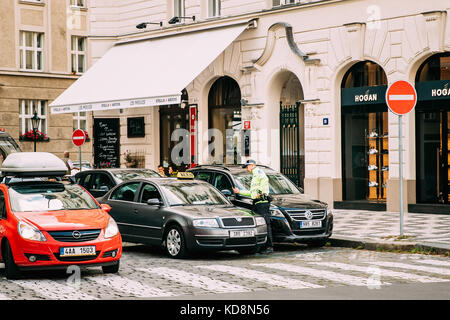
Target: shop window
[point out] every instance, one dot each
(365, 149)
(435, 68)
(135, 127)
(31, 51)
(225, 116)
(364, 74)
(27, 108)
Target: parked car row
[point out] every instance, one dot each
(48, 224)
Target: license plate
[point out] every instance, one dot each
(242, 233)
(311, 224)
(77, 251)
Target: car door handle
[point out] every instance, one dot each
(136, 211)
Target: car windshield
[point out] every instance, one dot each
(125, 175)
(278, 184)
(191, 193)
(49, 197)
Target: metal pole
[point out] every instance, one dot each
(79, 157)
(400, 171)
(35, 131)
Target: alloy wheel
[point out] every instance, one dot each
(173, 242)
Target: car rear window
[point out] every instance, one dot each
(49, 197)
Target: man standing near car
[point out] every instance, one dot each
(259, 192)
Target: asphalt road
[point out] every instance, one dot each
(293, 272)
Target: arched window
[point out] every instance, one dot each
(224, 107)
(437, 67)
(364, 74)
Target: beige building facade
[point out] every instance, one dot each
(331, 61)
(43, 52)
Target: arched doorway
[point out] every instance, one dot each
(171, 118)
(292, 130)
(224, 115)
(365, 152)
(433, 130)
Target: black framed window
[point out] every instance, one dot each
(136, 127)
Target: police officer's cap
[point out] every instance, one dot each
(248, 163)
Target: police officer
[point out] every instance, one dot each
(259, 192)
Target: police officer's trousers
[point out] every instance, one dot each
(262, 208)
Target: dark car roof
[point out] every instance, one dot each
(112, 170)
(230, 168)
(166, 181)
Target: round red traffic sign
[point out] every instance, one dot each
(78, 137)
(401, 97)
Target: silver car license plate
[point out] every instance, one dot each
(77, 251)
(311, 224)
(242, 233)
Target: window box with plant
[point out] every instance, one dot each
(130, 161)
(30, 136)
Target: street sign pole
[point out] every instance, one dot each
(79, 157)
(401, 98)
(400, 170)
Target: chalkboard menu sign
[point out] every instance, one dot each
(135, 127)
(106, 143)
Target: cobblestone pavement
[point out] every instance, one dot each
(146, 272)
(385, 226)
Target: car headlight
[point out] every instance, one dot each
(111, 229)
(276, 213)
(260, 221)
(207, 223)
(30, 232)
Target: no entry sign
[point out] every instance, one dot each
(401, 97)
(78, 137)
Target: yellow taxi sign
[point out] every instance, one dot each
(185, 175)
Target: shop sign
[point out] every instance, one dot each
(363, 95)
(433, 90)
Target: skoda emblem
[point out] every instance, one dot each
(76, 234)
(238, 219)
(308, 215)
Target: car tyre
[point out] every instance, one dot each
(317, 243)
(111, 269)
(12, 271)
(175, 243)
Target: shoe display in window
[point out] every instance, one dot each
(384, 168)
(372, 167)
(373, 134)
(373, 184)
(373, 151)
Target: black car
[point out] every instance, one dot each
(183, 216)
(296, 217)
(99, 181)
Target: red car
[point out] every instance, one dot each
(48, 224)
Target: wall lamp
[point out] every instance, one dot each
(177, 19)
(143, 25)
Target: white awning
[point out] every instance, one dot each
(147, 72)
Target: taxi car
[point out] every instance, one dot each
(183, 215)
(45, 223)
(99, 181)
(295, 216)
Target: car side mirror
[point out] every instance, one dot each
(105, 207)
(104, 188)
(154, 202)
(227, 193)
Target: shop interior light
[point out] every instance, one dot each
(177, 19)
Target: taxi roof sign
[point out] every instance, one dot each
(33, 164)
(185, 175)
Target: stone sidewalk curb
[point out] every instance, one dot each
(367, 244)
